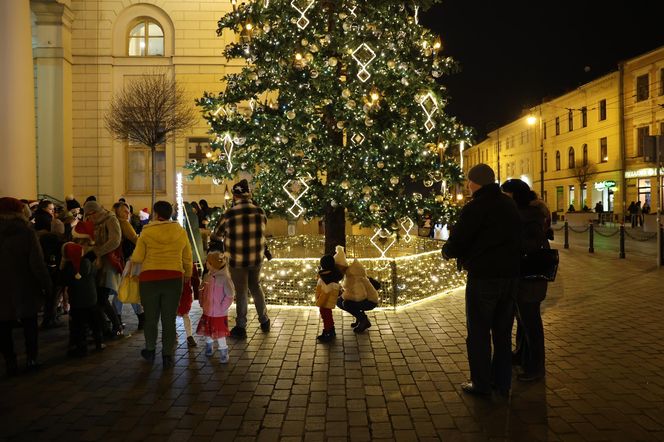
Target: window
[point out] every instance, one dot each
(570, 120)
(146, 38)
(546, 160)
(602, 110)
(642, 89)
(585, 154)
(544, 129)
(641, 134)
(584, 116)
(570, 158)
(557, 125)
(559, 199)
(661, 81)
(139, 166)
(557, 160)
(199, 149)
(603, 150)
(584, 195)
(572, 199)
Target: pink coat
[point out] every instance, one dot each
(217, 294)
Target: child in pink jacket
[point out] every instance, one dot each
(215, 299)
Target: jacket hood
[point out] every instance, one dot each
(162, 232)
(356, 270)
(106, 215)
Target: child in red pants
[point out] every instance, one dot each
(327, 291)
(189, 293)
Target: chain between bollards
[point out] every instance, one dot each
(566, 229)
(591, 238)
(622, 242)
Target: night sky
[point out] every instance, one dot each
(515, 53)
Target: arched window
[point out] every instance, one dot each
(146, 38)
(585, 154)
(571, 157)
(557, 160)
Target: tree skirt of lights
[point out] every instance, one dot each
(410, 271)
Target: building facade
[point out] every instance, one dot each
(589, 145)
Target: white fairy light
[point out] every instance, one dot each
(382, 233)
(303, 22)
(407, 225)
(417, 14)
(296, 209)
(228, 150)
(430, 107)
(364, 55)
(180, 201)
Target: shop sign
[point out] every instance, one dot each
(642, 173)
(605, 185)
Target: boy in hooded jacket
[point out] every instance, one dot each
(327, 291)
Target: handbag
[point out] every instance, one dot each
(540, 264)
(128, 291)
(116, 259)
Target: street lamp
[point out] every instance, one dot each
(532, 120)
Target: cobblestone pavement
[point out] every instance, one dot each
(398, 381)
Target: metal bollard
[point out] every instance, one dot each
(591, 238)
(622, 242)
(566, 245)
(661, 245)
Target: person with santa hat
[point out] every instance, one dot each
(79, 276)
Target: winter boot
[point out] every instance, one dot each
(223, 355)
(326, 336)
(209, 350)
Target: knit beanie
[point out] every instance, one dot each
(241, 188)
(71, 203)
(72, 252)
(340, 257)
(482, 174)
(91, 207)
(11, 205)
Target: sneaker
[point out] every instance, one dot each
(362, 325)
(223, 355)
(238, 332)
(326, 336)
(208, 349)
(191, 342)
(148, 355)
(265, 326)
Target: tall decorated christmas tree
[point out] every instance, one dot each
(338, 113)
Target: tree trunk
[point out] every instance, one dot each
(153, 177)
(335, 228)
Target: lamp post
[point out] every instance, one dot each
(532, 120)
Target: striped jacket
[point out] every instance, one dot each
(242, 228)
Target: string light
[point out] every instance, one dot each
(178, 198)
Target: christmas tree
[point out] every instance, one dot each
(338, 113)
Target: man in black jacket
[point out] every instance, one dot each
(486, 242)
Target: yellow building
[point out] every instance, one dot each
(567, 149)
(83, 52)
(643, 98)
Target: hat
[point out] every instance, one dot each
(329, 272)
(144, 214)
(91, 207)
(72, 252)
(340, 257)
(481, 174)
(241, 188)
(11, 205)
(327, 262)
(71, 203)
(84, 230)
(216, 260)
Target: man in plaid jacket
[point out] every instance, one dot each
(242, 229)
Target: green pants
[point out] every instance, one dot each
(161, 299)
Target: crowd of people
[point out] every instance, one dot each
(74, 260)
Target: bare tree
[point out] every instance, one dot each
(150, 111)
(584, 172)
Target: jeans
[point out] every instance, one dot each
(138, 308)
(160, 299)
(246, 279)
(356, 308)
(530, 340)
(490, 316)
(106, 308)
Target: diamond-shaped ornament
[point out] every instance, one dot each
(407, 225)
(382, 234)
(358, 138)
(228, 150)
(429, 125)
(303, 22)
(429, 104)
(363, 75)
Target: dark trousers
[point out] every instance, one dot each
(83, 319)
(356, 308)
(490, 316)
(328, 320)
(530, 337)
(106, 308)
(160, 300)
(29, 334)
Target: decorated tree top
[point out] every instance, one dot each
(338, 106)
